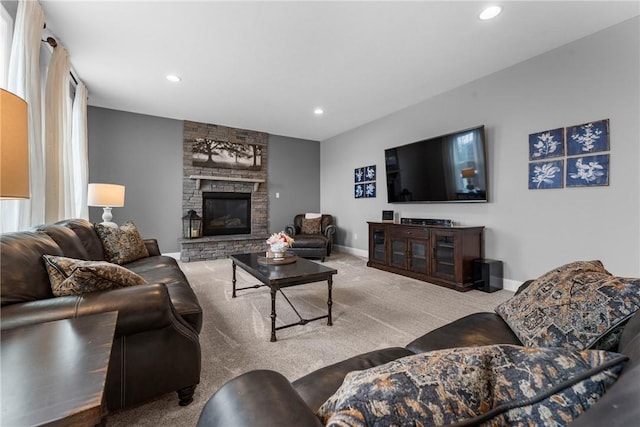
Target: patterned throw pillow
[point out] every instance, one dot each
(310, 226)
(490, 385)
(122, 245)
(70, 276)
(578, 305)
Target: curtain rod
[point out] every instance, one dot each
(53, 43)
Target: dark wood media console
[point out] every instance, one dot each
(440, 255)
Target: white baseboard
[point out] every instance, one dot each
(351, 251)
(175, 255)
(511, 285)
(507, 284)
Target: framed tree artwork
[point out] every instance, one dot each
(211, 153)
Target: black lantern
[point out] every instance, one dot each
(191, 225)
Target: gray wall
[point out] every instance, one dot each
(294, 173)
(532, 231)
(143, 153)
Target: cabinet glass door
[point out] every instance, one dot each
(379, 246)
(399, 253)
(443, 255)
(419, 253)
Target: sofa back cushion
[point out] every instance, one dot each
(23, 275)
(68, 241)
(90, 240)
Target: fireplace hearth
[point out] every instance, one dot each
(226, 213)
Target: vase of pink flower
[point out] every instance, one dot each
(278, 244)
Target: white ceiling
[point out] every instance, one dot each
(266, 65)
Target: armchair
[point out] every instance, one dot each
(310, 243)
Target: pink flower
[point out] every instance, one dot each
(280, 239)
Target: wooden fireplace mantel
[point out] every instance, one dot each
(256, 181)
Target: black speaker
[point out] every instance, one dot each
(487, 274)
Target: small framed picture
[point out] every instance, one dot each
(370, 189)
(370, 173)
(358, 191)
(544, 175)
(358, 175)
(547, 144)
(588, 138)
(588, 171)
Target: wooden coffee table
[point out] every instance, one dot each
(277, 277)
(54, 373)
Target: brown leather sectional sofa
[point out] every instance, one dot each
(156, 349)
(264, 398)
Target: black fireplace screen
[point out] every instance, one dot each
(226, 213)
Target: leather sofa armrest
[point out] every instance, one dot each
(152, 247)
(34, 312)
(290, 230)
(259, 398)
(140, 308)
(330, 231)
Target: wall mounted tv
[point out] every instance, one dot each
(448, 168)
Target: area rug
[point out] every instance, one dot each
(372, 309)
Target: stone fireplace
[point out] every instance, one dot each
(231, 198)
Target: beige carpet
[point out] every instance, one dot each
(372, 309)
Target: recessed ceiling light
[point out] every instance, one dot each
(173, 78)
(490, 12)
(318, 111)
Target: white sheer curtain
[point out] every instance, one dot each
(24, 81)
(6, 35)
(58, 154)
(79, 183)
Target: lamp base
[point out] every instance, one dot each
(107, 216)
(109, 224)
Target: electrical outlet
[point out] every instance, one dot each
(355, 236)
(277, 195)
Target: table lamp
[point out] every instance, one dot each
(106, 196)
(468, 174)
(14, 147)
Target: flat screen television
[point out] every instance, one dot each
(448, 168)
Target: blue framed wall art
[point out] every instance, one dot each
(365, 182)
(588, 171)
(588, 138)
(546, 144)
(545, 175)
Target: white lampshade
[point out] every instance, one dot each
(105, 195)
(14, 147)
